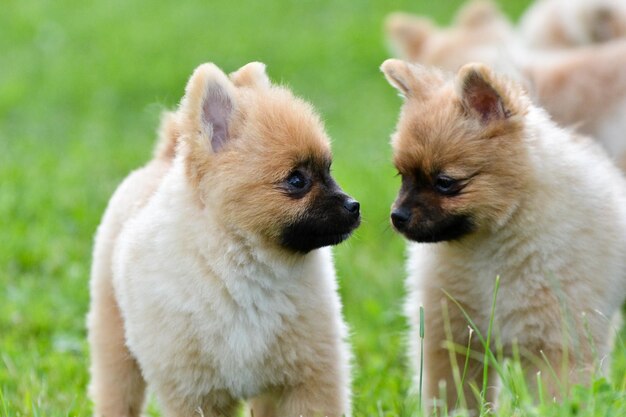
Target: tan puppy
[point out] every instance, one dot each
(571, 23)
(480, 32)
(211, 281)
(492, 187)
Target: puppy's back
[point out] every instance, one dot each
(114, 374)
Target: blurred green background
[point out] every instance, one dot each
(82, 85)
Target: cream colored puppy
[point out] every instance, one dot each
(480, 32)
(492, 187)
(572, 23)
(211, 281)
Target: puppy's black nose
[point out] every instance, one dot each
(352, 206)
(400, 217)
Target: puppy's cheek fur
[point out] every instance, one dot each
(493, 199)
(261, 210)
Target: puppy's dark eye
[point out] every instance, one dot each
(297, 180)
(446, 185)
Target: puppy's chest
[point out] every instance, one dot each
(524, 286)
(528, 305)
(244, 329)
(248, 354)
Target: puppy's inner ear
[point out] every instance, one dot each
(217, 108)
(481, 98)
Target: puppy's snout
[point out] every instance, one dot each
(400, 217)
(352, 206)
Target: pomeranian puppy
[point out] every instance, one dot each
(212, 279)
(572, 23)
(492, 187)
(480, 32)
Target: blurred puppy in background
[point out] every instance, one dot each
(581, 82)
(492, 187)
(585, 89)
(572, 23)
(480, 32)
(212, 281)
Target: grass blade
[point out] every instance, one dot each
(488, 346)
(421, 355)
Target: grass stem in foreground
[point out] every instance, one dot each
(488, 346)
(421, 355)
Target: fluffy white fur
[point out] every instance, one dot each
(206, 311)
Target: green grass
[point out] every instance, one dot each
(81, 88)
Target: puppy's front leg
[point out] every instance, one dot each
(312, 401)
(324, 393)
(215, 404)
(559, 369)
(117, 386)
(263, 405)
(437, 372)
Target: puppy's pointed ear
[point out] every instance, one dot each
(482, 94)
(411, 80)
(479, 13)
(208, 105)
(407, 34)
(398, 74)
(251, 75)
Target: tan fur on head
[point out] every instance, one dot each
(269, 133)
(286, 132)
(443, 128)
